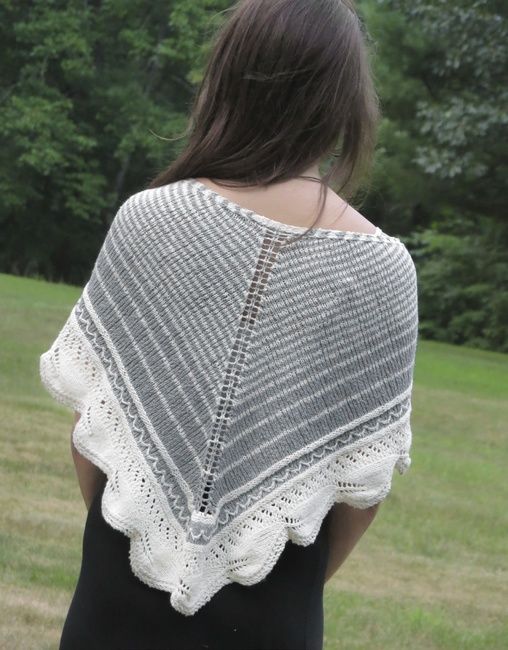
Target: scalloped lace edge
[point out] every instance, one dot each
(134, 503)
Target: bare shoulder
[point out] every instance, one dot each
(347, 217)
(291, 202)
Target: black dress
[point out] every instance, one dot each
(113, 610)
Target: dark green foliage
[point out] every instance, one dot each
(86, 88)
(462, 287)
(441, 71)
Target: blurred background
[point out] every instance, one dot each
(94, 97)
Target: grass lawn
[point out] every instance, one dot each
(431, 571)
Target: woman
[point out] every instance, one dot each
(241, 377)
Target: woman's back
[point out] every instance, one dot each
(284, 610)
(237, 384)
(291, 202)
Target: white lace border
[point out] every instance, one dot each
(248, 547)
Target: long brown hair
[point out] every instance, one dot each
(288, 83)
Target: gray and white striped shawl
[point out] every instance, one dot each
(233, 389)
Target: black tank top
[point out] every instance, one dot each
(113, 610)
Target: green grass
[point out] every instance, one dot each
(431, 571)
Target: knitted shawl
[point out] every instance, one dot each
(231, 387)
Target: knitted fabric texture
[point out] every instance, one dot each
(233, 389)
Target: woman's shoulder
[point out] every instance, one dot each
(347, 217)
